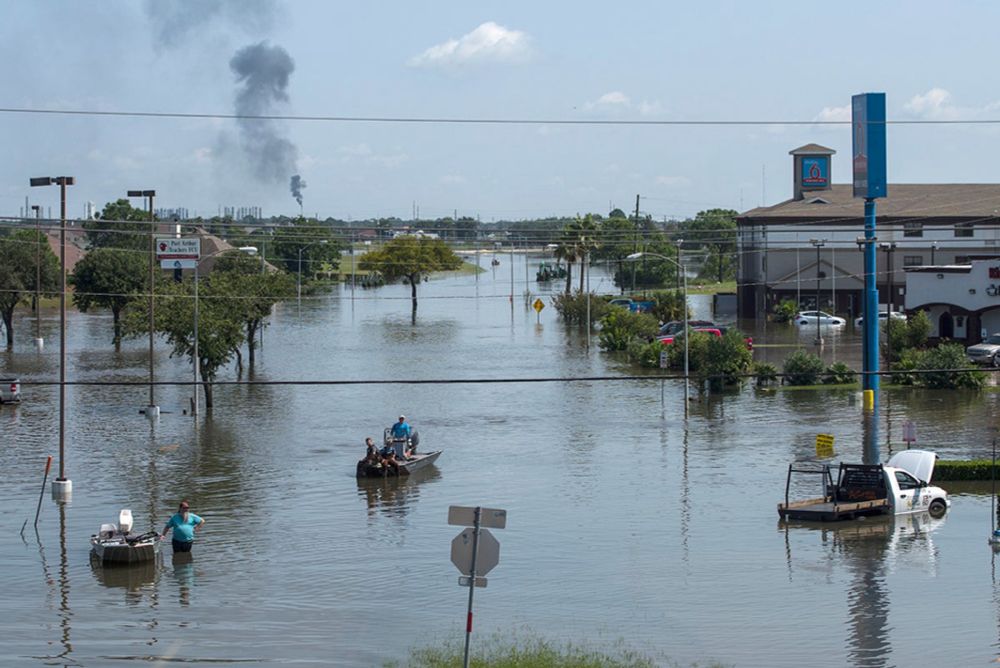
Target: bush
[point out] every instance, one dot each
(839, 374)
(697, 352)
(785, 311)
(669, 305)
(573, 307)
(619, 326)
(801, 368)
(766, 373)
(948, 368)
(976, 469)
(726, 360)
(645, 353)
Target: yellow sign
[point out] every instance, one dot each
(824, 445)
(539, 305)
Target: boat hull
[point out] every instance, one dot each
(115, 553)
(406, 468)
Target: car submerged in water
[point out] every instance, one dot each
(985, 352)
(809, 318)
(883, 317)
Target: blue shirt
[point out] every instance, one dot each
(183, 529)
(401, 430)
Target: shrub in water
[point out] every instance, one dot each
(766, 372)
(839, 373)
(785, 311)
(573, 307)
(801, 368)
(619, 326)
(948, 368)
(726, 360)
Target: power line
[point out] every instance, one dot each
(470, 121)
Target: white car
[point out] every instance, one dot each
(882, 318)
(809, 318)
(987, 352)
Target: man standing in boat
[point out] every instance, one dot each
(401, 431)
(185, 524)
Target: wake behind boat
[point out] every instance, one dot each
(116, 544)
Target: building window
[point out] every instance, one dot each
(913, 228)
(913, 260)
(963, 229)
(961, 259)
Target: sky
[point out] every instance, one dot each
(510, 59)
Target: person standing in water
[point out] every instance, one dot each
(184, 524)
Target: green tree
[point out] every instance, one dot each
(220, 323)
(802, 368)
(614, 244)
(24, 255)
(109, 278)
(713, 231)
(727, 359)
(316, 242)
(119, 225)
(411, 259)
(259, 293)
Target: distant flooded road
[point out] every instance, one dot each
(625, 522)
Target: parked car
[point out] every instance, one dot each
(633, 305)
(883, 316)
(711, 331)
(808, 318)
(10, 391)
(986, 352)
(675, 326)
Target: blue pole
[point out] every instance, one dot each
(871, 351)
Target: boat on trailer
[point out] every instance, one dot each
(406, 465)
(115, 544)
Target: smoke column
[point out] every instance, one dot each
(296, 185)
(262, 73)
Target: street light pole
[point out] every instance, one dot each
(818, 243)
(62, 487)
(687, 357)
(38, 276)
(152, 410)
(298, 278)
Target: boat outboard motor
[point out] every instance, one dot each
(414, 441)
(125, 520)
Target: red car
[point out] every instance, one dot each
(712, 331)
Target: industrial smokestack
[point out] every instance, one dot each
(262, 73)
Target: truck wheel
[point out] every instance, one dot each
(937, 508)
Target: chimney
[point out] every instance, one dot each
(811, 168)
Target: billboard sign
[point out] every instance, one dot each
(815, 172)
(176, 248)
(868, 140)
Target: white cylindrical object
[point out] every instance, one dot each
(62, 490)
(39, 343)
(152, 412)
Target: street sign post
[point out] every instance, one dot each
(538, 305)
(475, 552)
(909, 433)
(824, 445)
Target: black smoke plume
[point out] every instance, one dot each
(262, 73)
(297, 184)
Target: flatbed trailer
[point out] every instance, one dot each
(860, 491)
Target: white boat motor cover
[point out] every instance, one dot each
(125, 520)
(107, 531)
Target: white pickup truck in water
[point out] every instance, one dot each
(900, 486)
(10, 391)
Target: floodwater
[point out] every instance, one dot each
(626, 522)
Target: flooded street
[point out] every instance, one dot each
(625, 521)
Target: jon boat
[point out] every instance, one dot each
(407, 466)
(116, 544)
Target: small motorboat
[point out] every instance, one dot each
(405, 465)
(116, 544)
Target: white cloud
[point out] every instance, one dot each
(673, 181)
(834, 114)
(616, 100)
(934, 104)
(489, 43)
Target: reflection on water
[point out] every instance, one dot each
(667, 522)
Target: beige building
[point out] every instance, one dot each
(788, 250)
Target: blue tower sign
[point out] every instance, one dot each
(868, 154)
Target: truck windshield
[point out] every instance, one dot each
(906, 481)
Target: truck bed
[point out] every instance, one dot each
(825, 509)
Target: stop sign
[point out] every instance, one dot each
(487, 554)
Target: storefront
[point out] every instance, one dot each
(962, 300)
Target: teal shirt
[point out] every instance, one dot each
(183, 530)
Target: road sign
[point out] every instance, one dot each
(174, 248)
(464, 516)
(171, 263)
(909, 432)
(538, 305)
(868, 134)
(824, 445)
(463, 581)
(487, 554)
(664, 359)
